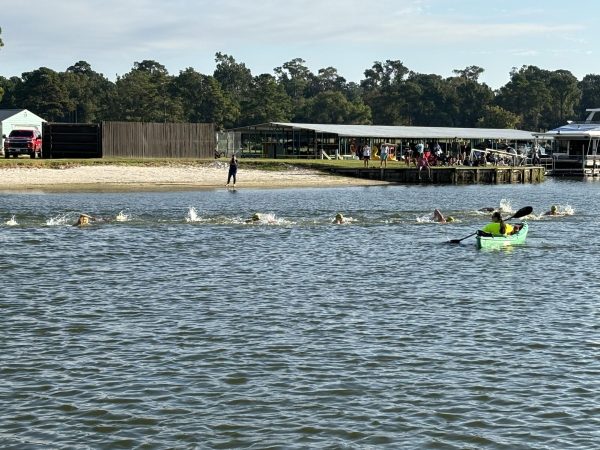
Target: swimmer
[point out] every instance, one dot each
(439, 217)
(553, 211)
(339, 218)
(83, 220)
(255, 218)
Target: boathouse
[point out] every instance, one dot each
(303, 140)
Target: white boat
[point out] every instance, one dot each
(576, 147)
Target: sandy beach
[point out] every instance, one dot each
(130, 178)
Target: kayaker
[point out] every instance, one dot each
(497, 227)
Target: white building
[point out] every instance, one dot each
(11, 119)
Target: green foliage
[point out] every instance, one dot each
(544, 99)
(496, 117)
(1, 45)
(44, 92)
(295, 78)
(90, 93)
(469, 97)
(565, 95)
(385, 89)
(235, 80)
(432, 102)
(590, 93)
(145, 95)
(332, 107)
(203, 99)
(267, 101)
(390, 94)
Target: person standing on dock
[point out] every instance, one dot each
(423, 163)
(383, 156)
(535, 158)
(366, 155)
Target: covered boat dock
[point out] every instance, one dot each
(315, 141)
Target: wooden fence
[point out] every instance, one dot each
(158, 140)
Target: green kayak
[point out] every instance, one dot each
(502, 241)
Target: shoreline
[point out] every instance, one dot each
(115, 178)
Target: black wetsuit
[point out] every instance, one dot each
(232, 169)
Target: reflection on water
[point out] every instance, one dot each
(185, 327)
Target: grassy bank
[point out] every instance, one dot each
(263, 164)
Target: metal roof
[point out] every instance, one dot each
(398, 132)
(585, 130)
(6, 113)
(27, 115)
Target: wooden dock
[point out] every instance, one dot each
(449, 175)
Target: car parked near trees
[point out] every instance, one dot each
(23, 142)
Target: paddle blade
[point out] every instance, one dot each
(457, 241)
(525, 211)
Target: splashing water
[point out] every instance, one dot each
(426, 219)
(11, 222)
(58, 220)
(122, 217)
(561, 210)
(192, 215)
(505, 207)
(567, 210)
(269, 219)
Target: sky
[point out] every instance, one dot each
(428, 36)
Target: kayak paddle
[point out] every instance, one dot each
(525, 211)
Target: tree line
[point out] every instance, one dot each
(390, 94)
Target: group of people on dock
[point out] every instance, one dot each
(424, 155)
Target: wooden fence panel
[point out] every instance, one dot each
(158, 140)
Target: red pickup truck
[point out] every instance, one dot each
(23, 142)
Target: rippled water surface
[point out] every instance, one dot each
(181, 326)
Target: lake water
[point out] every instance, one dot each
(181, 326)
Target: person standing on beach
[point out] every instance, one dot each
(233, 165)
